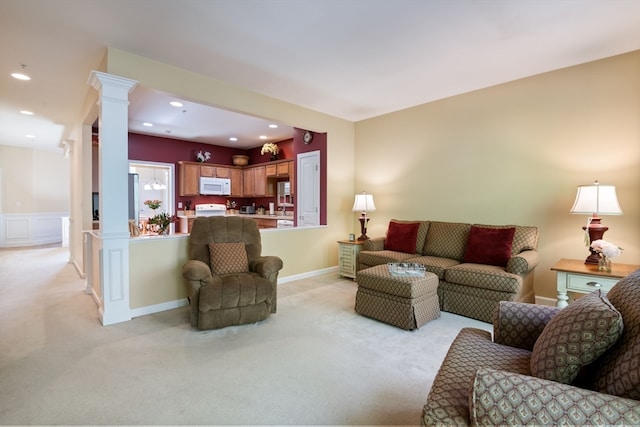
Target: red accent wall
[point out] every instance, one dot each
(168, 150)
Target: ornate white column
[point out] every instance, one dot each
(113, 122)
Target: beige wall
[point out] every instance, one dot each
(33, 181)
(514, 154)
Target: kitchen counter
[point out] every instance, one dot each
(264, 221)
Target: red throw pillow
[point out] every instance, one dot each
(401, 237)
(490, 246)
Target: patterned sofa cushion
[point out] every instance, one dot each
(484, 276)
(575, 337)
(371, 258)
(618, 371)
(447, 240)
(402, 236)
(525, 238)
(490, 246)
(435, 265)
(227, 258)
(422, 232)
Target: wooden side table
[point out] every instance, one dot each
(575, 276)
(348, 257)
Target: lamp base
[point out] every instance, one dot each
(363, 228)
(596, 231)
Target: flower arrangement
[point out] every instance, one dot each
(606, 249)
(153, 204)
(162, 222)
(203, 156)
(270, 148)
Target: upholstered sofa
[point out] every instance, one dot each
(579, 365)
(477, 265)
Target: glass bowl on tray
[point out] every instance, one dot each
(406, 269)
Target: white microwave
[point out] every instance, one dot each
(215, 186)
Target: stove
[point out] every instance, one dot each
(211, 209)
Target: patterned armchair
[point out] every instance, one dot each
(546, 366)
(229, 281)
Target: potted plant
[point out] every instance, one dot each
(161, 222)
(272, 149)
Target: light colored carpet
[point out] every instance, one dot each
(314, 362)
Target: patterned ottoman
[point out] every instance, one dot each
(407, 302)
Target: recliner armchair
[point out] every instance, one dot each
(229, 281)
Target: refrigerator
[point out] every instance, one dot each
(134, 205)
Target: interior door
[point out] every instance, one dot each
(308, 189)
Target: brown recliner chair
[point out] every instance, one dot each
(229, 282)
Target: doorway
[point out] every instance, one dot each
(308, 189)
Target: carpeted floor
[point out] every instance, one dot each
(315, 362)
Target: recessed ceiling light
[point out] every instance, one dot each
(263, 137)
(29, 136)
(273, 126)
(26, 113)
(147, 124)
(233, 138)
(176, 104)
(20, 76)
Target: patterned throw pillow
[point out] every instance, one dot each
(228, 258)
(491, 246)
(575, 337)
(402, 237)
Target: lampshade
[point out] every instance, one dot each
(596, 199)
(364, 203)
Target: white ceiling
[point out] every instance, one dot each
(352, 59)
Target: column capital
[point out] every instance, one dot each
(99, 81)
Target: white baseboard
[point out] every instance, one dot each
(546, 301)
(157, 308)
(307, 275)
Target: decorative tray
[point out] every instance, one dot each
(406, 269)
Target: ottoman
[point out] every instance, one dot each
(407, 302)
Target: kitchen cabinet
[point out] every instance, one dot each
(235, 175)
(271, 170)
(283, 169)
(189, 175)
(255, 182)
(215, 171)
(266, 223)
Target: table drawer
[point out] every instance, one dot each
(582, 283)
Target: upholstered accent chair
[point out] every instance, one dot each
(579, 365)
(228, 280)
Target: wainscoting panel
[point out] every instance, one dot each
(31, 229)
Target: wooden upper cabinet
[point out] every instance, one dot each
(248, 182)
(223, 172)
(215, 171)
(283, 169)
(189, 179)
(209, 171)
(236, 182)
(271, 170)
(260, 176)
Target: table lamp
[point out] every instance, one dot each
(595, 199)
(363, 203)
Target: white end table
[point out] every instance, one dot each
(574, 275)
